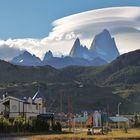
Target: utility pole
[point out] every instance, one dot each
(69, 112)
(61, 106)
(119, 114)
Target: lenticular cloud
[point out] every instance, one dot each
(122, 22)
(92, 22)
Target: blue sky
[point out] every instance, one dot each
(33, 18)
(38, 26)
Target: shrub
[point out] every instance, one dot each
(56, 126)
(22, 124)
(27, 125)
(136, 120)
(59, 127)
(18, 124)
(5, 125)
(125, 129)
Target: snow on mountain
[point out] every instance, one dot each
(102, 50)
(26, 59)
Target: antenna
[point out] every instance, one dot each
(69, 111)
(61, 106)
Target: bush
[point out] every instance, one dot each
(5, 125)
(18, 124)
(22, 124)
(27, 125)
(59, 127)
(125, 129)
(136, 120)
(56, 126)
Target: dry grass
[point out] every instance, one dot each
(115, 134)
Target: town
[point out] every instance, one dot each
(29, 115)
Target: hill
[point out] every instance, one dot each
(125, 69)
(12, 73)
(79, 88)
(122, 76)
(23, 81)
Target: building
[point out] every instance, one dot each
(80, 121)
(118, 121)
(29, 107)
(92, 119)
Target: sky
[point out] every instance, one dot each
(40, 25)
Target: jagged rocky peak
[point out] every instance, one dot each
(105, 31)
(75, 48)
(26, 58)
(78, 50)
(48, 56)
(26, 53)
(103, 36)
(104, 46)
(77, 41)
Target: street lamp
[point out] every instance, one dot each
(119, 114)
(119, 108)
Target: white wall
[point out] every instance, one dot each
(16, 107)
(30, 109)
(1, 107)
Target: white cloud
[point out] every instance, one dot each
(122, 22)
(7, 53)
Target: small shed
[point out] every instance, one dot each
(80, 121)
(118, 120)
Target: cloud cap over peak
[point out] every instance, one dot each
(120, 21)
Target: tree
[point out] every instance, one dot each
(56, 126)
(18, 123)
(136, 120)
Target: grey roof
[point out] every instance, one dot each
(118, 119)
(81, 119)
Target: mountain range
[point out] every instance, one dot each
(102, 51)
(85, 88)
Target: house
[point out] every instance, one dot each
(29, 107)
(88, 119)
(96, 118)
